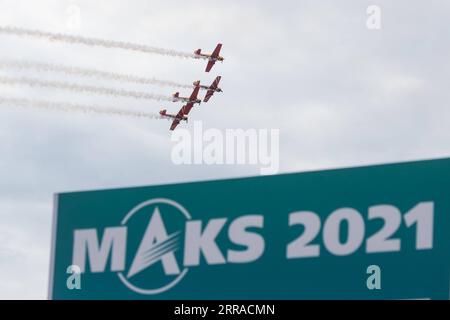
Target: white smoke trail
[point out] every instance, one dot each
(84, 72)
(93, 42)
(83, 89)
(69, 107)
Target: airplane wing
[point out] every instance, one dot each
(212, 89)
(180, 114)
(187, 108)
(208, 95)
(177, 119)
(215, 84)
(175, 123)
(216, 51)
(194, 93)
(209, 65)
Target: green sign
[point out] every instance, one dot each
(378, 232)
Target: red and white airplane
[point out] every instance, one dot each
(212, 58)
(177, 118)
(214, 87)
(189, 101)
(192, 99)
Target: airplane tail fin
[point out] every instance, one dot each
(176, 94)
(198, 51)
(163, 112)
(196, 83)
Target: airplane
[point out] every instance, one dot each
(192, 99)
(177, 118)
(214, 87)
(189, 101)
(212, 58)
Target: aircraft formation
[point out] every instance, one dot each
(182, 115)
(192, 100)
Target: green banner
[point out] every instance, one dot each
(377, 232)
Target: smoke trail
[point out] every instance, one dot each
(69, 70)
(69, 107)
(83, 89)
(93, 42)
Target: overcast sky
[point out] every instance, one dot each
(340, 94)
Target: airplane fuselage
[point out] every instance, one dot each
(208, 56)
(187, 100)
(173, 116)
(208, 88)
